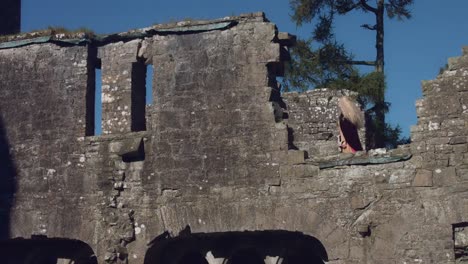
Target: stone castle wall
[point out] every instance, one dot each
(212, 157)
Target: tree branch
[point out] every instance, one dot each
(369, 27)
(367, 63)
(367, 6)
(345, 9)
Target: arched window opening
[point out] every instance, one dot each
(44, 250)
(247, 247)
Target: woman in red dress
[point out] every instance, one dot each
(349, 122)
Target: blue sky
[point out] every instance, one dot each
(414, 49)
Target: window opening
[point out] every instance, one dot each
(149, 84)
(98, 103)
(93, 96)
(138, 116)
(460, 235)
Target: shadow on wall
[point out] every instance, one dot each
(7, 182)
(43, 250)
(248, 247)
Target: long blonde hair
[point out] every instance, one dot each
(350, 111)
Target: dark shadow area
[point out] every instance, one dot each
(301, 257)
(275, 95)
(370, 127)
(42, 250)
(246, 256)
(8, 186)
(10, 17)
(192, 258)
(279, 106)
(459, 232)
(138, 117)
(93, 93)
(239, 247)
(134, 155)
(291, 139)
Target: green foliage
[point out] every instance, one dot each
(398, 9)
(370, 86)
(328, 64)
(316, 68)
(305, 11)
(392, 137)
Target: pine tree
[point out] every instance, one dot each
(330, 65)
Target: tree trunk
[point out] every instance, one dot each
(379, 42)
(379, 136)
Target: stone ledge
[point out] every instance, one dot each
(361, 158)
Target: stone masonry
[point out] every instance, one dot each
(312, 120)
(219, 168)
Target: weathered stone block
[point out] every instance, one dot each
(423, 178)
(445, 176)
(311, 170)
(296, 157)
(359, 201)
(463, 173)
(462, 148)
(286, 171)
(363, 229)
(457, 140)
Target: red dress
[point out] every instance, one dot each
(350, 136)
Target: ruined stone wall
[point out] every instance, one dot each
(210, 131)
(213, 157)
(412, 211)
(43, 114)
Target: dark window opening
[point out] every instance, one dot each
(138, 116)
(460, 233)
(98, 104)
(93, 95)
